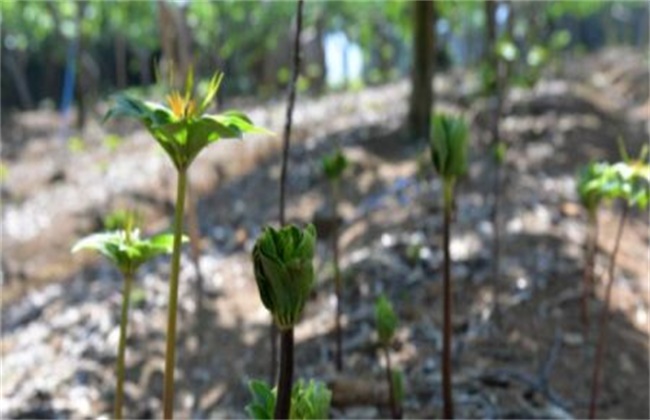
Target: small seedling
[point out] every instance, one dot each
(333, 167)
(127, 251)
(590, 192)
(628, 181)
(449, 156)
(183, 129)
(309, 401)
(284, 272)
(386, 322)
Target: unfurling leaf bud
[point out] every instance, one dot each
(284, 271)
(449, 146)
(386, 320)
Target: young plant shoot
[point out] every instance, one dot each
(309, 401)
(590, 192)
(284, 272)
(333, 167)
(183, 129)
(127, 251)
(449, 155)
(386, 322)
(628, 181)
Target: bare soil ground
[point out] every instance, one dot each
(59, 315)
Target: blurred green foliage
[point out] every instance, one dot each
(248, 39)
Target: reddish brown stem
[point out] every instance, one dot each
(285, 381)
(589, 270)
(395, 410)
(448, 403)
(604, 318)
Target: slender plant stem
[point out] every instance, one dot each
(291, 100)
(496, 240)
(285, 381)
(589, 270)
(603, 321)
(395, 410)
(124, 320)
(170, 353)
(448, 402)
(337, 276)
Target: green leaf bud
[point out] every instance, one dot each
(284, 271)
(449, 146)
(386, 320)
(334, 164)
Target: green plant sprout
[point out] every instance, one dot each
(183, 130)
(449, 156)
(127, 251)
(590, 192)
(628, 181)
(386, 322)
(284, 273)
(309, 400)
(333, 167)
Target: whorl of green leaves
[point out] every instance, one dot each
(629, 181)
(334, 164)
(386, 320)
(263, 404)
(183, 129)
(284, 271)
(125, 248)
(633, 183)
(449, 146)
(309, 400)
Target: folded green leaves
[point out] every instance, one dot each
(125, 248)
(386, 321)
(449, 146)
(284, 271)
(309, 400)
(182, 128)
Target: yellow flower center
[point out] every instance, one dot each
(182, 107)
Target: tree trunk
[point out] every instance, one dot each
(421, 102)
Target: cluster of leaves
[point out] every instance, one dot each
(184, 129)
(309, 400)
(627, 180)
(284, 271)
(125, 248)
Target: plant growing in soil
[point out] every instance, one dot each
(333, 167)
(127, 250)
(590, 192)
(183, 129)
(628, 181)
(449, 156)
(284, 272)
(386, 322)
(309, 400)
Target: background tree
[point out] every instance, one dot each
(421, 99)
